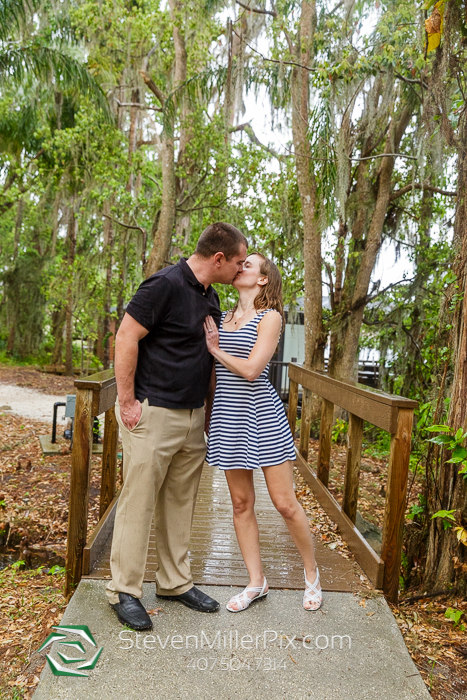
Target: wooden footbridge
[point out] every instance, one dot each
(215, 556)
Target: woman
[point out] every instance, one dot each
(248, 427)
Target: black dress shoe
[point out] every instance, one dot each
(130, 611)
(194, 599)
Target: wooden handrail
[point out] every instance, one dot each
(391, 413)
(95, 394)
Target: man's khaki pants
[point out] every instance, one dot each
(163, 457)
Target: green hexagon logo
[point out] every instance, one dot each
(68, 645)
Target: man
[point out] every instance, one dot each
(163, 371)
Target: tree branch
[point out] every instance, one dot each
(153, 87)
(137, 104)
(120, 223)
(390, 286)
(331, 285)
(273, 60)
(207, 206)
(331, 12)
(384, 155)
(412, 80)
(420, 186)
(254, 9)
(252, 136)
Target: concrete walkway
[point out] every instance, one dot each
(29, 403)
(274, 650)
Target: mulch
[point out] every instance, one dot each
(34, 379)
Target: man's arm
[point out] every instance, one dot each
(126, 357)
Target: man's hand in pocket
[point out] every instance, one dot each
(130, 413)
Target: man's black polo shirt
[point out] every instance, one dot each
(174, 366)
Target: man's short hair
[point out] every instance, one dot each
(220, 238)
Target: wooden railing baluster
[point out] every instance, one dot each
(325, 435)
(293, 403)
(109, 461)
(305, 424)
(394, 511)
(79, 488)
(352, 468)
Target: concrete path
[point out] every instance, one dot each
(274, 650)
(30, 403)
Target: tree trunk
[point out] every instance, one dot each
(347, 322)
(447, 557)
(108, 247)
(58, 324)
(314, 331)
(71, 242)
(162, 232)
(10, 346)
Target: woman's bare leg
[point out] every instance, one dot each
(279, 480)
(242, 493)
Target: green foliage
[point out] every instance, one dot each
(447, 517)
(339, 430)
(455, 616)
(454, 442)
(417, 509)
(376, 442)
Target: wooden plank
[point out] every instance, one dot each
(293, 403)
(99, 380)
(99, 538)
(371, 563)
(372, 405)
(325, 434)
(104, 398)
(352, 468)
(104, 389)
(297, 372)
(394, 511)
(305, 424)
(109, 461)
(215, 555)
(79, 488)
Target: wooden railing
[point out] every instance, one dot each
(95, 395)
(391, 413)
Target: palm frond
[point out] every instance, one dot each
(12, 13)
(50, 65)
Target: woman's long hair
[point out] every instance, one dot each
(270, 294)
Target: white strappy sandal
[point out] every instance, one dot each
(312, 593)
(243, 600)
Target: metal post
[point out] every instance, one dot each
(54, 422)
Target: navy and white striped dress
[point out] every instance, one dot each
(248, 428)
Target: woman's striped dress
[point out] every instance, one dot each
(248, 426)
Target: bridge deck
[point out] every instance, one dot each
(215, 555)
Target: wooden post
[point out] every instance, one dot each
(79, 488)
(324, 453)
(293, 403)
(352, 469)
(305, 424)
(396, 491)
(109, 461)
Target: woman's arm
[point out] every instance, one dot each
(269, 330)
